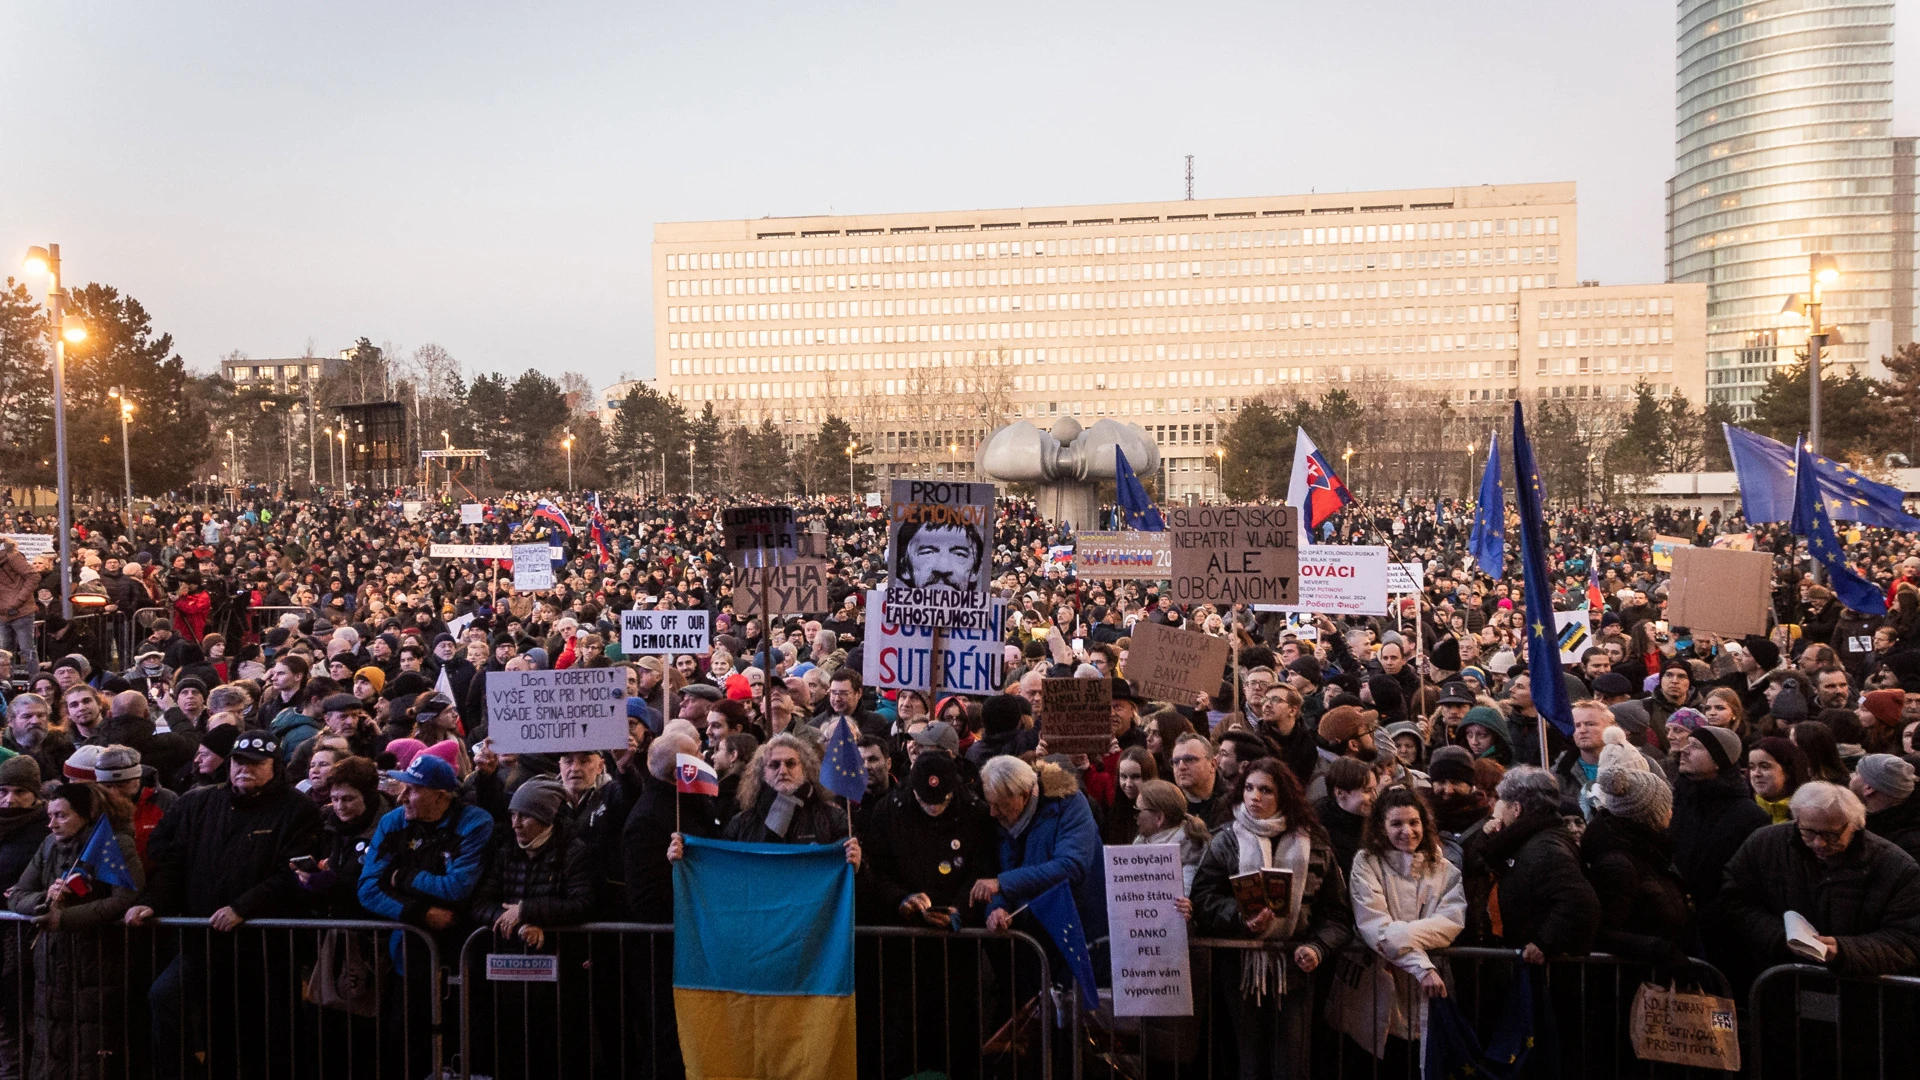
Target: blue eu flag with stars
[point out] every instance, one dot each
(1543, 640)
(1136, 509)
(1812, 520)
(101, 859)
(1056, 913)
(1489, 539)
(841, 770)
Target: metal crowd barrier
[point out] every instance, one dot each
(1806, 1021)
(968, 1003)
(176, 998)
(87, 636)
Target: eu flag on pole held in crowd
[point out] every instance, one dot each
(1543, 638)
(763, 960)
(1055, 911)
(102, 861)
(841, 770)
(1136, 509)
(1812, 520)
(1489, 539)
(1766, 470)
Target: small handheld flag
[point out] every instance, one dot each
(1812, 520)
(1054, 908)
(692, 776)
(841, 770)
(545, 510)
(101, 859)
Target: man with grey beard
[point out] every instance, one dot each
(28, 732)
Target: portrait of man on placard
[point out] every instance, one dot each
(940, 555)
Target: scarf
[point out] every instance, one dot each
(1266, 842)
(1777, 809)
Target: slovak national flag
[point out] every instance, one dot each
(1314, 489)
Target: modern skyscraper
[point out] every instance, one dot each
(1784, 148)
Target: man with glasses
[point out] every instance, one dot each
(1860, 892)
(1197, 776)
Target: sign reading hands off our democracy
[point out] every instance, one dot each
(556, 712)
(1235, 554)
(663, 633)
(1169, 664)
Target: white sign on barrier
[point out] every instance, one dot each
(1151, 973)
(557, 712)
(663, 633)
(523, 967)
(1338, 580)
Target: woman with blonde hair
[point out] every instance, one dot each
(1160, 811)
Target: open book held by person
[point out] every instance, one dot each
(1263, 890)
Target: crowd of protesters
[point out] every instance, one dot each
(301, 732)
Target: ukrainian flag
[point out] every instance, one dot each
(763, 961)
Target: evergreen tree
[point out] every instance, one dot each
(1254, 467)
(1856, 420)
(708, 442)
(26, 390)
(170, 435)
(826, 467)
(1714, 455)
(1640, 451)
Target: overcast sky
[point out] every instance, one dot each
(486, 175)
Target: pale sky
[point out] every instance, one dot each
(486, 175)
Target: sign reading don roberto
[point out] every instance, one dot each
(1235, 554)
(555, 712)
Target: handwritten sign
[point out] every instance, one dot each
(1148, 936)
(471, 551)
(472, 513)
(532, 566)
(32, 545)
(1076, 715)
(1122, 556)
(1235, 554)
(901, 657)
(759, 535)
(663, 633)
(1173, 665)
(557, 712)
(523, 967)
(799, 588)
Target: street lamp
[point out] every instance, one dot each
(46, 260)
(853, 446)
(1822, 270)
(346, 480)
(233, 465)
(126, 452)
(331, 477)
(663, 470)
(568, 443)
(953, 463)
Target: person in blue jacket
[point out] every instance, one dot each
(1047, 835)
(423, 864)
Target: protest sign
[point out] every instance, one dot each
(532, 566)
(663, 633)
(1663, 549)
(471, 551)
(901, 657)
(1720, 590)
(1234, 554)
(1168, 664)
(1684, 1028)
(1337, 580)
(1122, 556)
(472, 513)
(32, 545)
(1147, 934)
(1405, 577)
(759, 535)
(458, 625)
(939, 554)
(799, 588)
(555, 712)
(1076, 715)
(1734, 541)
(873, 498)
(1575, 629)
(411, 509)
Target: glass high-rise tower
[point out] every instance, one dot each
(1783, 148)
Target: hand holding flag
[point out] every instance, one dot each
(693, 776)
(1812, 520)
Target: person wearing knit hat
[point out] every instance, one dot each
(404, 751)
(376, 681)
(22, 772)
(1721, 745)
(1776, 767)
(1789, 704)
(82, 764)
(1883, 782)
(1628, 787)
(1628, 856)
(540, 799)
(1885, 707)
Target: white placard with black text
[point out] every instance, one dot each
(556, 712)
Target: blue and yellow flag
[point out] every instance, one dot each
(763, 960)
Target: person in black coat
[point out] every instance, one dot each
(658, 813)
(355, 805)
(783, 782)
(1629, 858)
(1713, 814)
(23, 826)
(1546, 906)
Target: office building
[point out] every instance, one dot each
(927, 330)
(295, 375)
(1783, 148)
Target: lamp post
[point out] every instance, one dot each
(663, 469)
(953, 460)
(1471, 490)
(1220, 470)
(126, 451)
(568, 443)
(346, 479)
(233, 466)
(46, 260)
(1822, 270)
(332, 477)
(293, 416)
(853, 446)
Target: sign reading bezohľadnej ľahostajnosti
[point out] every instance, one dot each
(940, 554)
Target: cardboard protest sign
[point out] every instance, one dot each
(939, 554)
(900, 657)
(1076, 715)
(663, 633)
(1147, 934)
(1576, 634)
(1122, 556)
(1169, 664)
(471, 551)
(555, 712)
(532, 566)
(1235, 554)
(1336, 580)
(759, 535)
(1684, 1028)
(1727, 592)
(799, 588)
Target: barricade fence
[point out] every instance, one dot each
(1808, 1022)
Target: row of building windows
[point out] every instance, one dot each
(1623, 307)
(1610, 335)
(1594, 365)
(1116, 245)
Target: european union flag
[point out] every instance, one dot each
(1452, 1050)
(1489, 540)
(1812, 520)
(1543, 645)
(1767, 469)
(1056, 913)
(1136, 509)
(841, 770)
(101, 859)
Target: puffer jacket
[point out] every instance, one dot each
(1868, 899)
(1403, 906)
(553, 885)
(1644, 911)
(1060, 843)
(1540, 895)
